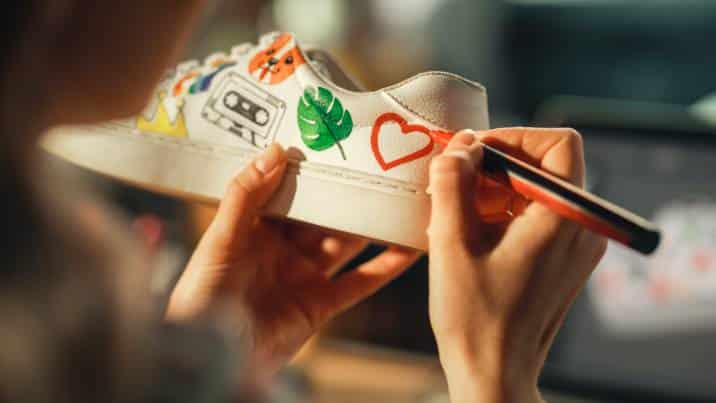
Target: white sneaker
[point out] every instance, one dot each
(358, 160)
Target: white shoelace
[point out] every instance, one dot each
(189, 73)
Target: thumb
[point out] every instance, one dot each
(454, 221)
(247, 193)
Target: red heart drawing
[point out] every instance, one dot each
(406, 129)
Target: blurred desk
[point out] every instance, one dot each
(354, 373)
(348, 372)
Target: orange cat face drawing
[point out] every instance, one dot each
(277, 62)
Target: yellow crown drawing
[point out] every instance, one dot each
(161, 123)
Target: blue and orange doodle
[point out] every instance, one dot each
(195, 82)
(168, 118)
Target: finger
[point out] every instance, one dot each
(297, 267)
(268, 255)
(562, 284)
(353, 287)
(337, 251)
(304, 236)
(557, 151)
(247, 193)
(329, 251)
(306, 266)
(453, 219)
(552, 326)
(497, 202)
(589, 248)
(530, 234)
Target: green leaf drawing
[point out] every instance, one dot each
(322, 120)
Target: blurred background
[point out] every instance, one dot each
(634, 76)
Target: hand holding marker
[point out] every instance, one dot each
(565, 199)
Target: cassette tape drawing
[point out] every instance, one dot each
(239, 106)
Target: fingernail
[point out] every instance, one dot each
(465, 137)
(480, 135)
(472, 156)
(270, 159)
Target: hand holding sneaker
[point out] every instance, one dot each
(498, 294)
(279, 276)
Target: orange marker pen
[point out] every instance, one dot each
(567, 200)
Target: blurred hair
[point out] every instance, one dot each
(78, 321)
(13, 19)
(65, 296)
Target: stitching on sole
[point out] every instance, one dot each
(227, 152)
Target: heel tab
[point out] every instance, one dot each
(447, 100)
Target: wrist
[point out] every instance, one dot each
(487, 386)
(485, 374)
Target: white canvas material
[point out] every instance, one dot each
(358, 160)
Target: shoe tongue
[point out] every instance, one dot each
(329, 68)
(321, 68)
